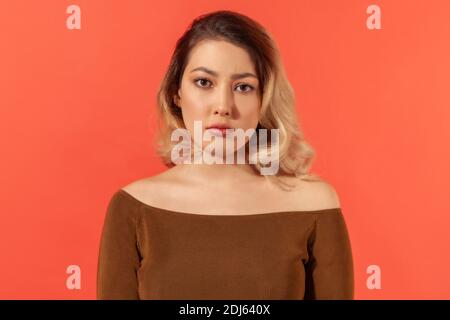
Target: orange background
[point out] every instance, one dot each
(78, 113)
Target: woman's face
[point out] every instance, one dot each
(219, 86)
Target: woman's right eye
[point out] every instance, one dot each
(201, 82)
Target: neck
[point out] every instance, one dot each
(223, 174)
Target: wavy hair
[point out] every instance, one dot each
(278, 98)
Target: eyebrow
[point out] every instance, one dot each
(233, 76)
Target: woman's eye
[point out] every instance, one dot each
(249, 87)
(202, 82)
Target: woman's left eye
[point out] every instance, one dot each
(250, 88)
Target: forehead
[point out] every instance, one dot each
(222, 56)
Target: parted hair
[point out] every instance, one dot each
(277, 110)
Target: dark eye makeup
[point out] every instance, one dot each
(197, 82)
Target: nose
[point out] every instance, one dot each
(222, 112)
(225, 105)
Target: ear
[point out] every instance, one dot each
(176, 99)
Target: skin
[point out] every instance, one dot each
(219, 85)
(219, 98)
(224, 188)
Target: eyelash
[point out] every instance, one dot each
(242, 84)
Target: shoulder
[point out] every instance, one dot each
(324, 194)
(137, 187)
(142, 187)
(317, 195)
(150, 189)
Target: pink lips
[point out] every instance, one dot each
(219, 131)
(219, 128)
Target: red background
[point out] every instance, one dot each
(78, 114)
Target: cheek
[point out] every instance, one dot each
(249, 112)
(193, 110)
(193, 107)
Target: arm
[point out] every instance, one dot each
(329, 270)
(119, 257)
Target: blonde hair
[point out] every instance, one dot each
(278, 98)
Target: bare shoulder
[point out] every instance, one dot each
(318, 195)
(137, 187)
(149, 189)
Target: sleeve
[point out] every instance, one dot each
(329, 269)
(119, 257)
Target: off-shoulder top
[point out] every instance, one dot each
(147, 252)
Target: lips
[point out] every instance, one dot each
(222, 132)
(219, 128)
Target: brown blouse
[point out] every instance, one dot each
(152, 253)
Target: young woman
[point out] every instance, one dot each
(227, 231)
